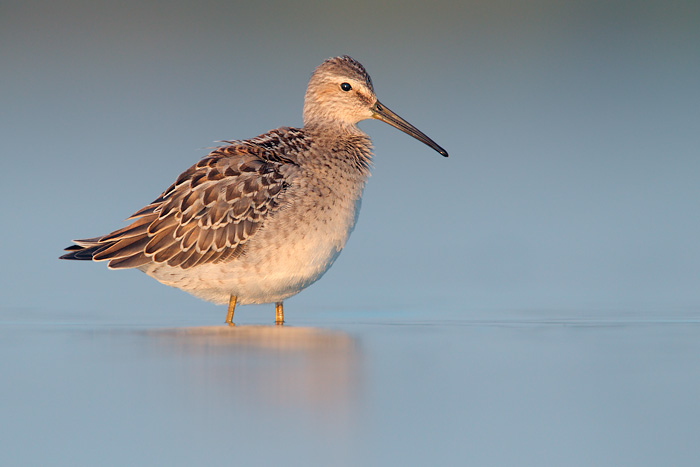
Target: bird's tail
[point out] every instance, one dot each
(83, 250)
(123, 248)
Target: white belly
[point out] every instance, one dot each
(288, 254)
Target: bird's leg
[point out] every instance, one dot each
(279, 314)
(231, 308)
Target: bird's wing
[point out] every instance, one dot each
(207, 216)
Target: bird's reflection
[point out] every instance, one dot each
(261, 337)
(272, 365)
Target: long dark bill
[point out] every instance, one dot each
(383, 113)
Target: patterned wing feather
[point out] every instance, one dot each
(209, 214)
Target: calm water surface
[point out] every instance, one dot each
(572, 184)
(354, 388)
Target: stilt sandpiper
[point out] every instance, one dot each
(259, 220)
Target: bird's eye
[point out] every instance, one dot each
(345, 86)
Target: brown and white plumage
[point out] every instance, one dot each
(209, 213)
(260, 219)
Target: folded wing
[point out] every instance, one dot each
(207, 216)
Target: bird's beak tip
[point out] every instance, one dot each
(383, 113)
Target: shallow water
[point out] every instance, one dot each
(354, 388)
(531, 300)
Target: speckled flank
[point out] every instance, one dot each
(260, 219)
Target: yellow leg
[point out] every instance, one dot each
(279, 313)
(231, 308)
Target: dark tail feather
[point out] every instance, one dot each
(84, 249)
(123, 248)
(129, 255)
(80, 252)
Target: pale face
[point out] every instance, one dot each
(340, 94)
(337, 98)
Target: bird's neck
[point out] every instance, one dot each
(347, 147)
(330, 127)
